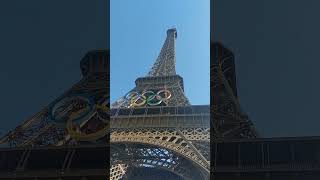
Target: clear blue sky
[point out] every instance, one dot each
(138, 30)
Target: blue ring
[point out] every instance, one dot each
(83, 116)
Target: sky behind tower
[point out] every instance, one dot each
(138, 31)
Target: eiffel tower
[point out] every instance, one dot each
(229, 121)
(154, 128)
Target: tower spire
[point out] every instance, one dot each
(162, 80)
(165, 63)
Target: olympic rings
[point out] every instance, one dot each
(150, 98)
(78, 109)
(63, 108)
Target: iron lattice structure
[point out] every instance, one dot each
(228, 120)
(80, 114)
(154, 127)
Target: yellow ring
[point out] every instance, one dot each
(134, 101)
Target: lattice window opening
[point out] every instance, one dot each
(200, 134)
(156, 158)
(169, 166)
(196, 159)
(183, 147)
(117, 171)
(154, 164)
